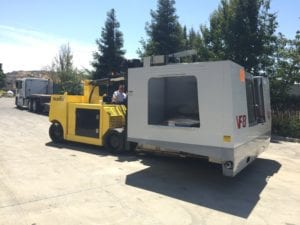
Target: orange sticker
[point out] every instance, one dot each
(242, 75)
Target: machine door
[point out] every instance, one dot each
(87, 122)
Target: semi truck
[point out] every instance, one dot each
(214, 110)
(34, 94)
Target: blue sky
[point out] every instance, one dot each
(31, 31)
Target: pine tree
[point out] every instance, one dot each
(109, 58)
(164, 32)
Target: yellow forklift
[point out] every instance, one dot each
(90, 118)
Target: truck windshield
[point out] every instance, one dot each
(18, 84)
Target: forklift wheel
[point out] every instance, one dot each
(114, 141)
(56, 133)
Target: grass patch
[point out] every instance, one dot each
(2, 93)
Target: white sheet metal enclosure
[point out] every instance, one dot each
(210, 109)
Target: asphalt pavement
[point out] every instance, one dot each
(42, 183)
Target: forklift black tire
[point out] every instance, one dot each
(56, 133)
(114, 142)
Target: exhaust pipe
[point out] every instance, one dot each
(228, 165)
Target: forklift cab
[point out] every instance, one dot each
(108, 86)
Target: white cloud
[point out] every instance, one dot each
(24, 49)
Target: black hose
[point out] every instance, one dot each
(91, 94)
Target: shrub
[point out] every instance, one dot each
(286, 126)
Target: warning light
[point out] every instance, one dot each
(242, 75)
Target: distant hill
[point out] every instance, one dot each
(12, 76)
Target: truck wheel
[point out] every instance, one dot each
(56, 132)
(17, 103)
(30, 105)
(132, 146)
(114, 141)
(34, 106)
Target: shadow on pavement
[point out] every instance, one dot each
(193, 180)
(202, 183)
(274, 141)
(91, 149)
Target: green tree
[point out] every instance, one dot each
(285, 72)
(195, 41)
(66, 77)
(296, 57)
(243, 31)
(165, 34)
(185, 38)
(2, 77)
(286, 69)
(193, 38)
(109, 58)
